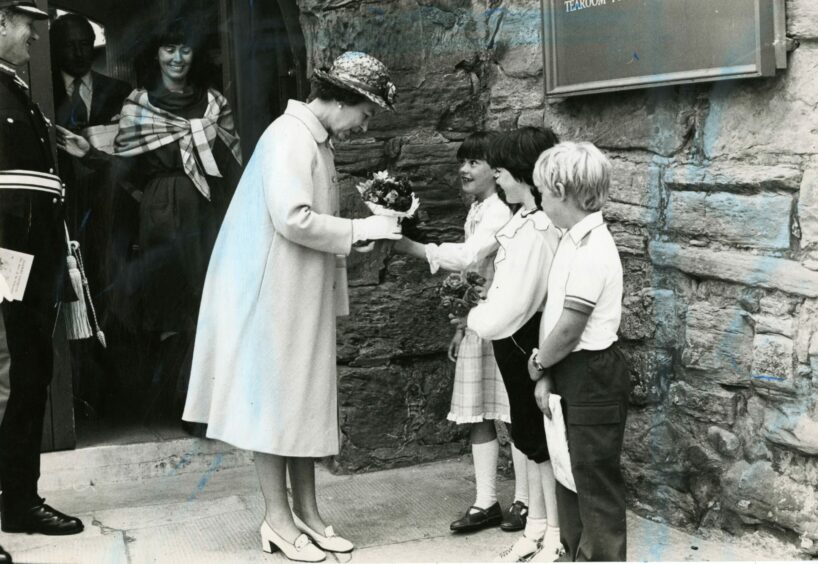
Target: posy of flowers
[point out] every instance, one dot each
(389, 195)
(461, 292)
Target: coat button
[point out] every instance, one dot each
(9, 120)
(51, 170)
(54, 201)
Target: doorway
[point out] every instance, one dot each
(260, 57)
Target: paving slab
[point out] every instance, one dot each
(400, 515)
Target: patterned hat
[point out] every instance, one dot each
(363, 74)
(28, 7)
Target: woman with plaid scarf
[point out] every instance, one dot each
(180, 158)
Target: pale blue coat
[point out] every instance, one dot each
(263, 375)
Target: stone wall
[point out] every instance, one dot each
(715, 211)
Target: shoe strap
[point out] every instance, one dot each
(329, 531)
(302, 541)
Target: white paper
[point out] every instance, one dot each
(558, 443)
(15, 268)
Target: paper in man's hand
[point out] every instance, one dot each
(15, 268)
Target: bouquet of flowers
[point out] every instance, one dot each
(388, 195)
(461, 292)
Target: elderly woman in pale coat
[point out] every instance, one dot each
(264, 374)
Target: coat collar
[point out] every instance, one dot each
(301, 112)
(584, 226)
(12, 72)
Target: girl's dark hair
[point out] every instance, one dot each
(517, 151)
(328, 91)
(476, 146)
(176, 32)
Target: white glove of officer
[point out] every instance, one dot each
(375, 227)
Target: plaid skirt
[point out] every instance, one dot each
(479, 393)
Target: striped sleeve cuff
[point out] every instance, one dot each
(579, 304)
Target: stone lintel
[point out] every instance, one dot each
(733, 177)
(751, 270)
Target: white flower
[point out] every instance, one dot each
(382, 175)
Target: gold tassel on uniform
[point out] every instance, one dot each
(77, 320)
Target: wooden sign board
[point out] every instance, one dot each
(595, 46)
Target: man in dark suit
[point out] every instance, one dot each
(31, 222)
(98, 214)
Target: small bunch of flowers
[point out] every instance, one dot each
(461, 292)
(389, 195)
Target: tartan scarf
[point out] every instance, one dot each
(143, 128)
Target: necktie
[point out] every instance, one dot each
(79, 113)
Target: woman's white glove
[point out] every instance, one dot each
(375, 227)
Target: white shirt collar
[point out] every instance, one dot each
(68, 80)
(584, 226)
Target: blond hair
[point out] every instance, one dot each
(581, 168)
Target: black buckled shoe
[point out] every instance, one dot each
(5, 557)
(41, 519)
(516, 518)
(479, 519)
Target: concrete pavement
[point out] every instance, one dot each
(204, 505)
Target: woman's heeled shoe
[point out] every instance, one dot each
(329, 541)
(302, 550)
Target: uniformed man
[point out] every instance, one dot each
(31, 222)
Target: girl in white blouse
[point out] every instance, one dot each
(510, 318)
(479, 395)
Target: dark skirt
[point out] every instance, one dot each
(177, 230)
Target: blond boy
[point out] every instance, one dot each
(578, 357)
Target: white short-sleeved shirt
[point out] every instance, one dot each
(586, 275)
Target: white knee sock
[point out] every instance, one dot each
(535, 528)
(520, 475)
(485, 472)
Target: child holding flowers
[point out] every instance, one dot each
(479, 395)
(510, 318)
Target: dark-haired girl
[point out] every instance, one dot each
(510, 318)
(478, 395)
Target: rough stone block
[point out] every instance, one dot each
(773, 363)
(506, 92)
(626, 213)
(359, 156)
(725, 442)
(808, 209)
(802, 19)
(714, 406)
(732, 177)
(630, 239)
(424, 154)
(654, 119)
(759, 492)
(428, 100)
(761, 220)
(650, 374)
(784, 104)
(794, 426)
(807, 328)
(635, 183)
(517, 45)
(771, 324)
(533, 118)
(718, 344)
(751, 270)
(409, 426)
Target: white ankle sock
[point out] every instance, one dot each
(535, 528)
(485, 472)
(552, 534)
(520, 475)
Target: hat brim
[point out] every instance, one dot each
(35, 13)
(347, 86)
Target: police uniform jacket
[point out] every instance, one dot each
(31, 203)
